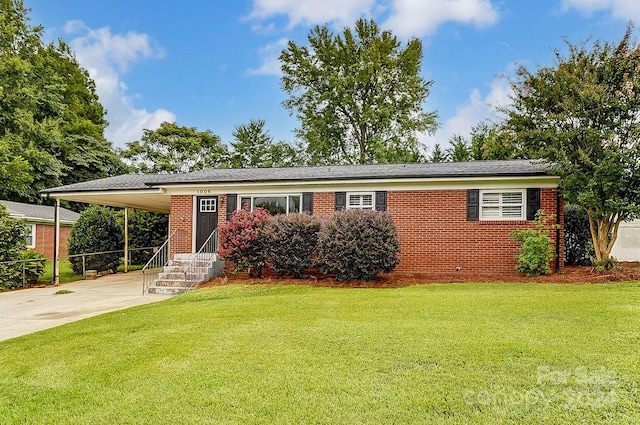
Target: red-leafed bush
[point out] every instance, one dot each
(240, 239)
(358, 244)
(290, 243)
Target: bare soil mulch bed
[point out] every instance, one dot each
(625, 271)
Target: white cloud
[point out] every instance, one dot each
(405, 17)
(106, 57)
(312, 12)
(620, 9)
(474, 110)
(419, 17)
(269, 55)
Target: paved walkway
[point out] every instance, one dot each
(29, 310)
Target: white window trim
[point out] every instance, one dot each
(361, 207)
(33, 235)
(523, 205)
(267, 195)
(212, 201)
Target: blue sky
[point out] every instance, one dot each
(212, 64)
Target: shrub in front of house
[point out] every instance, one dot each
(96, 230)
(34, 263)
(12, 242)
(290, 243)
(536, 247)
(578, 244)
(240, 241)
(146, 230)
(358, 244)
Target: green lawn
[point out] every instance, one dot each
(65, 274)
(456, 353)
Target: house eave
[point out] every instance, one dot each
(542, 181)
(155, 200)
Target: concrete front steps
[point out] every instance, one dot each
(172, 279)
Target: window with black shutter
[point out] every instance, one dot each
(341, 201)
(533, 202)
(381, 201)
(307, 202)
(473, 205)
(232, 199)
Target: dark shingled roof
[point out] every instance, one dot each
(38, 212)
(333, 172)
(122, 182)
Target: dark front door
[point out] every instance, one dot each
(206, 218)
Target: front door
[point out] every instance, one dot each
(206, 219)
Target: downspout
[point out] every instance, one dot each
(558, 221)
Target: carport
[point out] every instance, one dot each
(124, 191)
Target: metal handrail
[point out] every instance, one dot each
(202, 258)
(156, 263)
(68, 257)
(93, 254)
(24, 266)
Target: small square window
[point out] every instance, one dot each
(208, 205)
(495, 205)
(360, 200)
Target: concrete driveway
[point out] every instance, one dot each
(30, 310)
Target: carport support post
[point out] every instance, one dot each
(56, 243)
(126, 240)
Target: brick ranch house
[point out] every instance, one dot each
(40, 225)
(450, 216)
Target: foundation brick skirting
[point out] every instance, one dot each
(435, 235)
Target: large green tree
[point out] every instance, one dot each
(84, 153)
(489, 143)
(175, 149)
(253, 146)
(582, 116)
(359, 96)
(51, 123)
(438, 154)
(459, 149)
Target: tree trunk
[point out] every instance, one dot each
(604, 232)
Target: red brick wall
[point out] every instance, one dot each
(181, 218)
(324, 203)
(436, 236)
(44, 240)
(434, 232)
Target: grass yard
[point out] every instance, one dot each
(454, 353)
(65, 274)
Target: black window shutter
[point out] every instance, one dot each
(307, 202)
(473, 205)
(533, 202)
(341, 200)
(381, 201)
(232, 200)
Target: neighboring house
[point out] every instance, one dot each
(40, 225)
(627, 246)
(450, 216)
